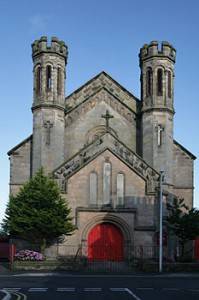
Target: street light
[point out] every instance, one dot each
(160, 223)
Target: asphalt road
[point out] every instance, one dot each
(97, 287)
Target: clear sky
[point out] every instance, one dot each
(101, 35)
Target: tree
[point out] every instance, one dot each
(38, 213)
(183, 222)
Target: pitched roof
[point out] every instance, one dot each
(185, 150)
(29, 138)
(103, 80)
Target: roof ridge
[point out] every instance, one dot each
(108, 76)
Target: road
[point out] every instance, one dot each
(97, 287)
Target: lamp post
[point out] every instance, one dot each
(160, 224)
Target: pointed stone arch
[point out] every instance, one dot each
(111, 219)
(98, 131)
(108, 218)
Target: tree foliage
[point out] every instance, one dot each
(38, 213)
(182, 221)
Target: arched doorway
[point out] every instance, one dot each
(105, 243)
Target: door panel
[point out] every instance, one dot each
(105, 242)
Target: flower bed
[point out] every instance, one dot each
(29, 255)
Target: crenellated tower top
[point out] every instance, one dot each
(157, 75)
(157, 62)
(56, 47)
(155, 49)
(49, 68)
(49, 74)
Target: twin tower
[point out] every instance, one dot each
(48, 103)
(156, 105)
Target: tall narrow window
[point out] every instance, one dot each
(107, 183)
(38, 80)
(149, 82)
(93, 188)
(159, 82)
(59, 81)
(120, 189)
(48, 78)
(169, 84)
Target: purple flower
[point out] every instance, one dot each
(29, 255)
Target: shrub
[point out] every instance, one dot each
(49, 218)
(29, 255)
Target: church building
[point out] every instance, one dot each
(106, 148)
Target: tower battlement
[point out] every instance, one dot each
(56, 46)
(156, 49)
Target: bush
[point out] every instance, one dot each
(29, 255)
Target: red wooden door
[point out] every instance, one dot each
(105, 242)
(197, 248)
(4, 250)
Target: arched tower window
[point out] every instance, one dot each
(149, 82)
(120, 189)
(93, 188)
(38, 80)
(169, 84)
(59, 81)
(48, 78)
(159, 82)
(107, 183)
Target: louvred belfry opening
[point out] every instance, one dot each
(105, 243)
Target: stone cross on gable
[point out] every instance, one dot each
(48, 125)
(107, 116)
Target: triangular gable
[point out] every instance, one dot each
(101, 95)
(90, 152)
(102, 80)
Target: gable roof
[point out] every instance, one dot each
(185, 150)
(29, 138)
(102, 80)
(105, 96)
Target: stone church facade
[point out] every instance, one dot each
(106, 148)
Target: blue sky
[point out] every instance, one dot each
(101, 35)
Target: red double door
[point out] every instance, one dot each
(105, 242)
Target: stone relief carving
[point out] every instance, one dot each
(48, 125)
(92, 150)
(138, 164)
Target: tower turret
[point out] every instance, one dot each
(157, 76)
(49, 63)
(49, 72)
